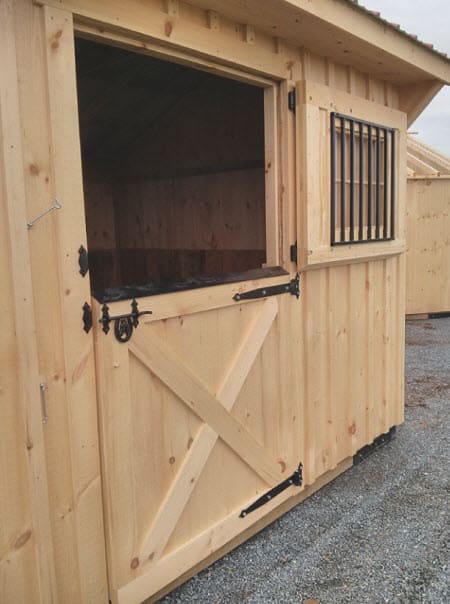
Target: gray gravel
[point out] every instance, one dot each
(378, 533)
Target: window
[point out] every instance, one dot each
(175, 176)
(362, 181)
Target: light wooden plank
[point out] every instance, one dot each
(33, 98)
(428, 253)
(399, 388)
(149, 21)
(116, 420)
(271, 172)
(183, 484)
(13, 189)
(191, 390)
(80, 393)
(358, 353)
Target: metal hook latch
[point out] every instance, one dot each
(123, 324)
(55, 206)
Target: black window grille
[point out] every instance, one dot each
(362, 181)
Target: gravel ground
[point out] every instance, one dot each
(378, 533)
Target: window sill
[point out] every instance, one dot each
(351, 254)
(151, 289)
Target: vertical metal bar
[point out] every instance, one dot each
(361, 180)
(385, 197)
(392, 184)
(343, 204)
(369, 182)
(377, 184)
(333, 178)
(352, 180)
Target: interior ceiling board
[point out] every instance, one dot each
(114, 83)
(297, 26)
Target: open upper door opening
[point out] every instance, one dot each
(174, 173)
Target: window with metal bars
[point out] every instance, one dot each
(362, 181)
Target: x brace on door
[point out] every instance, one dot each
(215, 411)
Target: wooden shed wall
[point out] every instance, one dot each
(428, 245)
(348, 340)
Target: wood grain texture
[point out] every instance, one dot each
(26, 558)
(428, 245)
(211, 401)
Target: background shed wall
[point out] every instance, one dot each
(428, 241)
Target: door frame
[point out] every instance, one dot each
(272, 94)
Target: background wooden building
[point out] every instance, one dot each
(205, 154)
(428, 230)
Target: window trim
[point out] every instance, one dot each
(315, 103)
(271, 89)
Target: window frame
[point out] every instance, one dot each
(338, 152)
(315, 104)
(271, 90)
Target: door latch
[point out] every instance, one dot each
(123, 324)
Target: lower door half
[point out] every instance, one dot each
(199, 415)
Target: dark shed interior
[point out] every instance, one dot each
(173, 168)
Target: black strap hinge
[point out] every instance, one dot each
(293, 288)
(292, 100)
(296, 479)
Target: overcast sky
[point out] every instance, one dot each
(430, 20)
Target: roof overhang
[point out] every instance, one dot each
(344, 31)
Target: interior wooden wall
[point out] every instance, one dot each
(428, 241)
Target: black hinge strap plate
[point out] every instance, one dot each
(293, 288)
(87, 317)
(293, 252)
(292, 100)
(296, 479)
(83, 261)
(123, 324)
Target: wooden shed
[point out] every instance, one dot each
(203, 275)
(427, 230)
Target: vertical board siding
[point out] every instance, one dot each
(64, 357)
(428, 245)
(19, 578)
(353, 347)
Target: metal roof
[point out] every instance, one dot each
(423, 160)
(413, 37)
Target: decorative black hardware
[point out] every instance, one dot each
(291, 100)
(293, 252)
(83, 260)
(381, 440)
(272, 290)
(123, 324)
(296, 479)
(87, 317)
